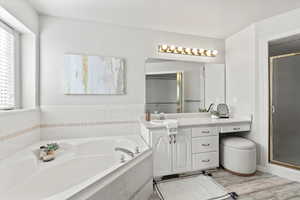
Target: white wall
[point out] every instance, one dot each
(61, 36)
(240, 68)
(29, 71)
(215, 83)
(241, 79)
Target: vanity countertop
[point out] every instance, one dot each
(193, 121)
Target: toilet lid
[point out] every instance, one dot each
(238, 143)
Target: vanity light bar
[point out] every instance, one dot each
(186, 51)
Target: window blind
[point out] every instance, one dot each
(7, 69)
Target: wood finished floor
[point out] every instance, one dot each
(261, 186)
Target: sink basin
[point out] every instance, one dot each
(157, 122)
(162, 122)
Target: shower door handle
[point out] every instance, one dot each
(273, 109)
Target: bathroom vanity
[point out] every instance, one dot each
(195, 146)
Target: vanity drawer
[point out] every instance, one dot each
(203, 161)
(204, 131)
(205, 144)
(235, 128)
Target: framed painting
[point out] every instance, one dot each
(94, 75)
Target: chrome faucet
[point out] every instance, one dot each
(162, 116)
(210, 107)
(126, 151)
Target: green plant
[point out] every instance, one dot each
(52, 147)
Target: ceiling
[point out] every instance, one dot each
(209, 18)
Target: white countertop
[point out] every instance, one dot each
(202, 121)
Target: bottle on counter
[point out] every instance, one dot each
(148, 116)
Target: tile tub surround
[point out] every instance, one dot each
(261, 186)
(90, 121)
(18, 129)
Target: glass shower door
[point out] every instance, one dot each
(164, 92)
(285, 110)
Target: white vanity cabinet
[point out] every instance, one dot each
(194, 148)
(205, 148)
(162, 152)
(172, 154)
(181, 149)
(189, 150)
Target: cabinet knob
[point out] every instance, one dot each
(170, 139)
(204, 131)
(205, 145)
(207, 160)
(137, 150)
(174, 139)
(122, 160)
(236, 128)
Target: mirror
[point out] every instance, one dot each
(183, 86)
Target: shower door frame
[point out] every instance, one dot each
(271, 160)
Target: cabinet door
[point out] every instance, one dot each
(182, 151)
(162, 153)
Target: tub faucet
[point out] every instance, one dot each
(126, 151)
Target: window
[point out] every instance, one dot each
(8, 69)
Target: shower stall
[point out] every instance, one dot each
(284, 115)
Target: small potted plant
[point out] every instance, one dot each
(48, 152)
(51, 148)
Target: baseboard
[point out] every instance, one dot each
(291, 174)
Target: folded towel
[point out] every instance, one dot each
(172, 126)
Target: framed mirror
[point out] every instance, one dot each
(183, 86)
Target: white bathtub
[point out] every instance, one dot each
(83, 169)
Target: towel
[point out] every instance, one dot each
(172, 126)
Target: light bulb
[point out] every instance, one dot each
(208, 52)
(195, 51)
(179, 49)
(172, 48)
(188, 50)
(201, 51)
(164, 47)
(214, 52)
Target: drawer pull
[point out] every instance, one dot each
(207, 160)
(236, 128)
(205, 145)
(174, 139)
(205, 131)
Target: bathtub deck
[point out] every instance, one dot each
(261, 186)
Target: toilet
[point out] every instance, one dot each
(238, 155)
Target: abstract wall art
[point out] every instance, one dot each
(94, 75)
